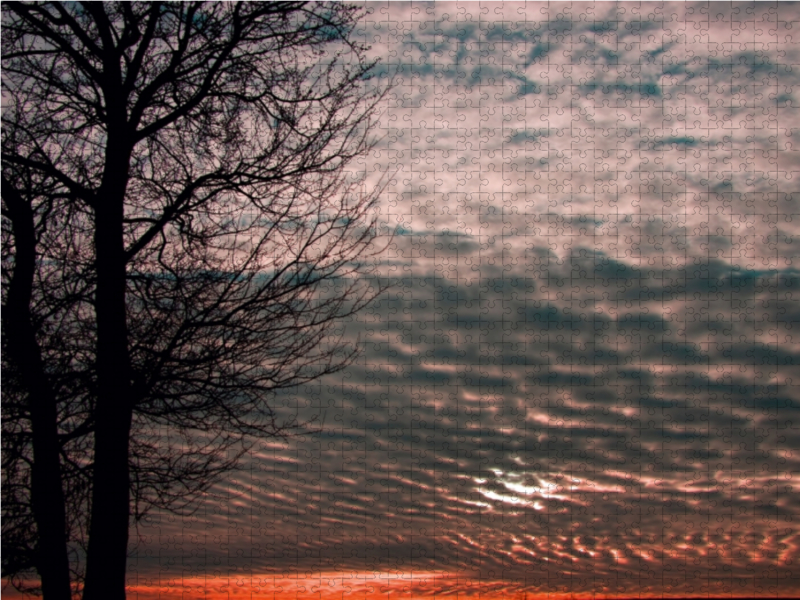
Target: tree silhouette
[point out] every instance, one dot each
(181, 232)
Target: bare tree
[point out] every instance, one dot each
(181, 231)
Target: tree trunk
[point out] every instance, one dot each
(47, 493)
(110, 512)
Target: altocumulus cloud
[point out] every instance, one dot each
(585, 377)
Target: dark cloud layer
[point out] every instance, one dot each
(586, 376)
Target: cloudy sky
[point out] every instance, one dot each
(585, 378)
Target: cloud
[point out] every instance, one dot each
(585, 376)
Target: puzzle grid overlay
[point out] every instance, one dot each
(585, 376)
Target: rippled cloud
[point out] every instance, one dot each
(586, 375)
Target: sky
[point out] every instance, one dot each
(584, 380)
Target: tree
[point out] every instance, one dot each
(181, 235)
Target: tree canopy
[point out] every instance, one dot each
(183, 226)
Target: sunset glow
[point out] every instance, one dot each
(370, 586)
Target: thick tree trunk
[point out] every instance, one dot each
(47, 496)
(110, 513)
(108, 530)
(47, 493)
